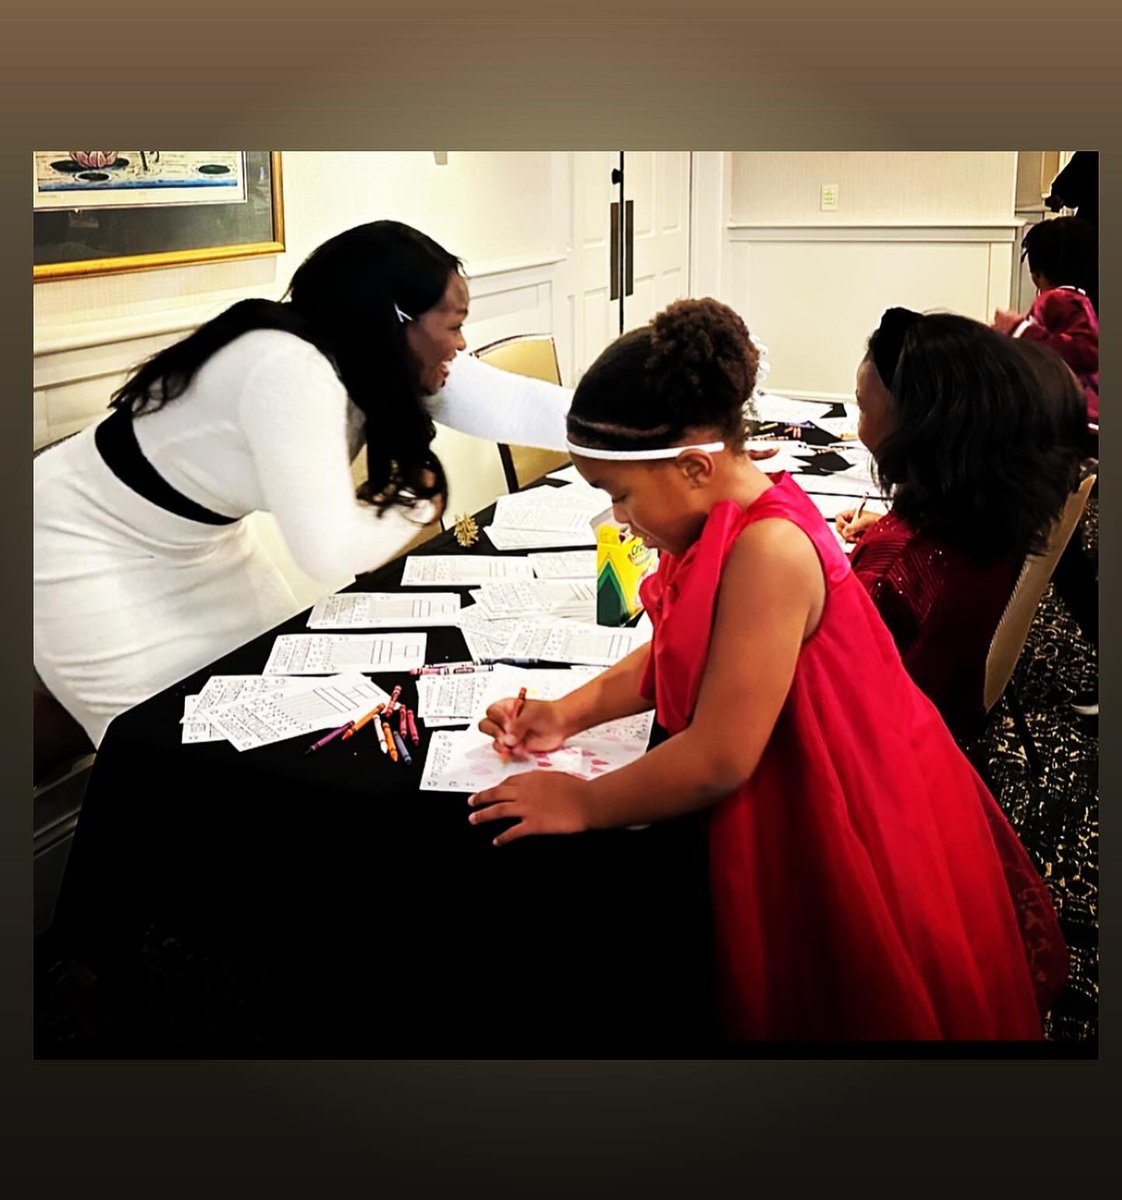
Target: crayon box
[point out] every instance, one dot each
(622, 563)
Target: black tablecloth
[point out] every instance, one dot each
(269, 903)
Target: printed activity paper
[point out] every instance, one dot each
(467, 571)
(571, 564)
(503, 538)
(370, 610)
(330, 653)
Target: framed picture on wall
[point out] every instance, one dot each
(101, 211)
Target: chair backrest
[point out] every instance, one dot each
(1013, 628)
(532, 354)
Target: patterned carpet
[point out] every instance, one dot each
(1057, 815)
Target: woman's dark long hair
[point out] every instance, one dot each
(343, 299)
(985, 437)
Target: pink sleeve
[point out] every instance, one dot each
(1064, 321)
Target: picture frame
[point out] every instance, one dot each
(104, 212)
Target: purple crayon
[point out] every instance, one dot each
(330, 737)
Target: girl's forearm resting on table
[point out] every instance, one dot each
(613, 693)
(683, 774)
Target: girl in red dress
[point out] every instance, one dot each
(865, 885)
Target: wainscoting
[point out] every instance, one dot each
(813, 294)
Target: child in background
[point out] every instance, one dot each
(865, 884)
(1063, 261)
(977, 437)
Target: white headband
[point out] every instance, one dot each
(657, 452)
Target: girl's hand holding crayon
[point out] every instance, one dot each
(852, 525)
(522, 728)
(541, 801)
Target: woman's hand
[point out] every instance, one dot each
(850, 529)
(428, 479)
(539, 727)
(540, 801)
(1005, 320)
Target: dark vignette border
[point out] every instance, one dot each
(358, 75)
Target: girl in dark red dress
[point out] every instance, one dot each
(865, 884)
(977, 438)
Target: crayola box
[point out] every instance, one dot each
(622, 562)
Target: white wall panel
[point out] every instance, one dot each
(813, 297)
(875, 187)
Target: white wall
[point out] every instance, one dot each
(924, 230)
(875, 187)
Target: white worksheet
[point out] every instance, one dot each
(468, 697)
(194, 731)
(469, 570)
(536, 539)
(830, 506)
(530, 598)
(838, 484)
(572, 642)
(554, 517)
(570, 564)
(371, 610)
(840, 427)
(770, 407)
(468, 762)
(567, 474)
(783, 460)
(225, 689)
(571, 495)
(485, 637)
(271, 717)
(330, 653)
(444, 697)
(490, 640)
(860, 460)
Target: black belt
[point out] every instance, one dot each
(116, 442)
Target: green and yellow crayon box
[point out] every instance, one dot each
(622, 563)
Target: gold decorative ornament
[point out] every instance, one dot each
(466, 530)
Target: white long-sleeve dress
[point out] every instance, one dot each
(129, 597)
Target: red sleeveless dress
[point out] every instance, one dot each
(865, 884)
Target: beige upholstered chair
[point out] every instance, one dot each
(534, 355)
(1013, 628)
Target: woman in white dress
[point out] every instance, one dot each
(144, 568)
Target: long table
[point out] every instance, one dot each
(272, 904)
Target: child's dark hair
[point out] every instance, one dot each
(693, 367)
(1065, 251)
(342, 300)
(986, 430)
